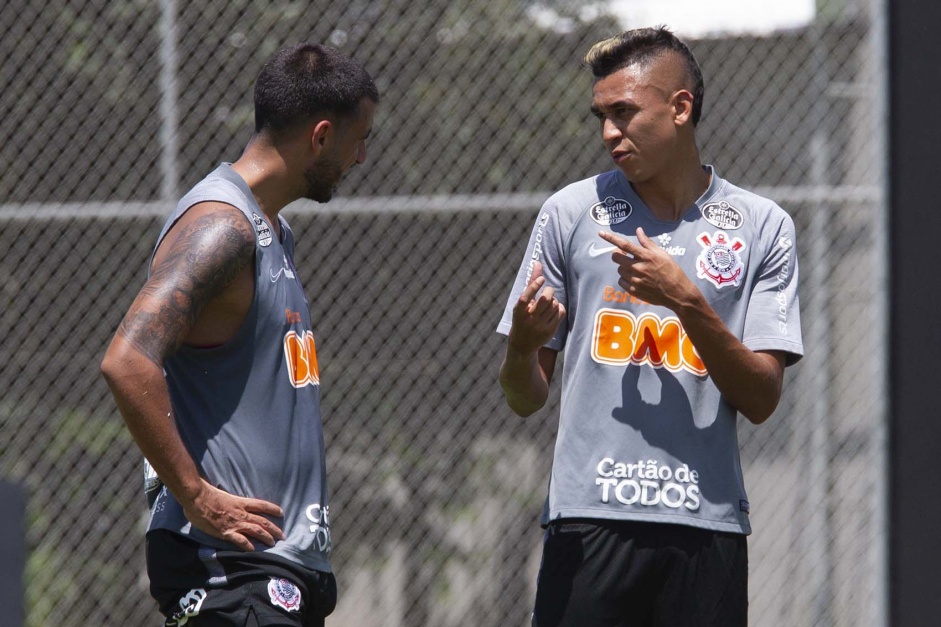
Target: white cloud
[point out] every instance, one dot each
(711, 18)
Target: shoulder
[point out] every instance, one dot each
(588, 190)
(211, 229)
(576, 198)
(215, 194)
(219, 185)
(732, 206)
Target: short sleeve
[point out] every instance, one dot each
(545, 246)
(772, 321)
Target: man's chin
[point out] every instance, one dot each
(320, 196)
(634, 175)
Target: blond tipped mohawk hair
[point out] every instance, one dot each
(643, 45)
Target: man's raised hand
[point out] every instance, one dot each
(536, 316)
(648, 272)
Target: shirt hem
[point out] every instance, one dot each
(795, 350)
(304, 560)
(675, 519)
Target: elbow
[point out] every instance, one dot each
(109, 367)
(760, 412)
(757, 418)
(525, 394)
(522, 410)
(763, 400)
(519, 404)
(760, 400)
(122, 361)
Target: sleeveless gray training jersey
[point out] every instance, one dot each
(249, 410)
(644, 433)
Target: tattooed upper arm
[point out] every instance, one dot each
(198, 258)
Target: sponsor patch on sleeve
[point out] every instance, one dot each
(261, 228)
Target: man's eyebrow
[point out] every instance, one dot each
(617, 104)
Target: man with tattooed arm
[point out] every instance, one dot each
(214, 366)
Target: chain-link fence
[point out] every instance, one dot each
(111, 108)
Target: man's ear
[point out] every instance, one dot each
(321, 135)
(683, 107)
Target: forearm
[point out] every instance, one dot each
(141, 395)
(202, 254)
(524, 382)
(748, 380)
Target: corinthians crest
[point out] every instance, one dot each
(720, 261)
(284, 594)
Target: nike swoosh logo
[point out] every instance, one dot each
(594, 252)
(275, 277)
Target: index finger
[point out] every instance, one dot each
(620, 241)
(536, 281)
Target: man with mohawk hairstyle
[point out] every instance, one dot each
(674, 295)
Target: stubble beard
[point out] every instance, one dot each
(322, 180)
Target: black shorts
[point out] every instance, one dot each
(203, 587)
(607, 573)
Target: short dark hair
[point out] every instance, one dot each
(303, 81)
(643, 45)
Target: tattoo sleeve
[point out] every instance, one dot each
(204, 257)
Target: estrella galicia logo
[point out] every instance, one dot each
(722, 215)
(610, 211)
(261, 227)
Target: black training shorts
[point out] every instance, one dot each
(607, 573)
(203, 587)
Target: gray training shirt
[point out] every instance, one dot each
(249, 411)
(644, 434)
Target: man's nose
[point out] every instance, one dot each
(609, 130)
